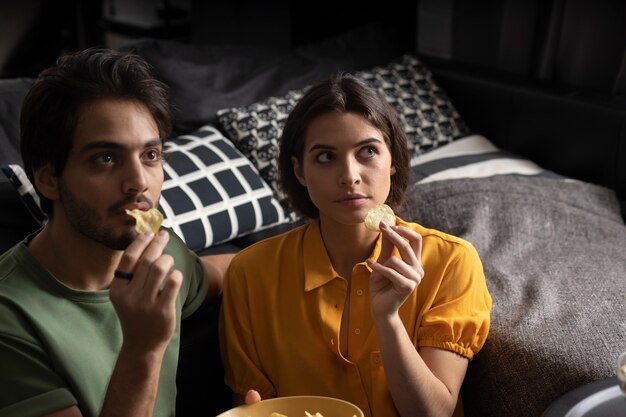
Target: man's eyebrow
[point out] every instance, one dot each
(360, 143)
(109, 144)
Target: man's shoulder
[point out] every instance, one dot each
(9, 262)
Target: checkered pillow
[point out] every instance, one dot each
(211, 193)
(429, 118)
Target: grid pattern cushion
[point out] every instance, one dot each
(211, 193)
(429, 118)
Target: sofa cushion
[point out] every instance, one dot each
(211, 193)
(12, 92)
(473, 156)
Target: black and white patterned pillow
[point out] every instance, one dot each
(211, 193)
(427, 114)
(255, 131)
(429, 118)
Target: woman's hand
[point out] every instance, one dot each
(252, 397)
(393, 279)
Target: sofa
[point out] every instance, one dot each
(532, 173)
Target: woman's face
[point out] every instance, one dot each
(346, 167)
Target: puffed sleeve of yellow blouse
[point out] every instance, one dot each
(459, 316)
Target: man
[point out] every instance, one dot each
(90, 308)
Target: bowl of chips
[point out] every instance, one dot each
(296, 406)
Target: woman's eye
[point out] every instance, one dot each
(368, 152)
(324, 157)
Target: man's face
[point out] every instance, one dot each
(115, 163)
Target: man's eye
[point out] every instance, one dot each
(153, 155)
(104, 158)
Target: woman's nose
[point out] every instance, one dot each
(349, 173)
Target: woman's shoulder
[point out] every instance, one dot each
(271, 246)
(438, 237)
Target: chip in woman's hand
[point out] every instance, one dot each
(376, 214)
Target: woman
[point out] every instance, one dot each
(386, 320)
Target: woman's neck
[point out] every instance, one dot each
(346, 245)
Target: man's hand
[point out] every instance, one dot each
(146, 303)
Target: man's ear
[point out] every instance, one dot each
(297, 170)
(46, 182)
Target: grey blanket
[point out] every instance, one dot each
(554, 255)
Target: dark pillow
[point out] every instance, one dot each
(211, 193)
(206, 78)
(12, 92)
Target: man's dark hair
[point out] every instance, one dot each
(341, 93)
(52, 106)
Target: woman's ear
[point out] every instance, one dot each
(297, 170)
(46, 182)
(393, 170)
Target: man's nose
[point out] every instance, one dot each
(134, 177)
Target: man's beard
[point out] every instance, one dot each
(87, 221)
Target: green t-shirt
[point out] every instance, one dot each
(58, 346)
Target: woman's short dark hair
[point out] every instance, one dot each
(51, 108)
(343, 93)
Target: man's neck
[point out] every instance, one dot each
(75, 260)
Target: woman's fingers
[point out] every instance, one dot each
(408, 242)
(386, 248)
(252, 397)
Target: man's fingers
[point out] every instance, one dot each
(133, 253)
(151, 253)
(158, 270)
(172, 286)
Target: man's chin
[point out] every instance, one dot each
(120, 242)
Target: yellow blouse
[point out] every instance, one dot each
(282, 308)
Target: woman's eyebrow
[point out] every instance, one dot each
(323, 146)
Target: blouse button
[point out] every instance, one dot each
(357, 331)
(359, 292)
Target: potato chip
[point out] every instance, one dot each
(376, 214)
(146, 220)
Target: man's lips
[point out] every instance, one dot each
(141, 205)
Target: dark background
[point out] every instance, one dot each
(568, 44)
(33, 33)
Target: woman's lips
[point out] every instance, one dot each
(353, 200)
